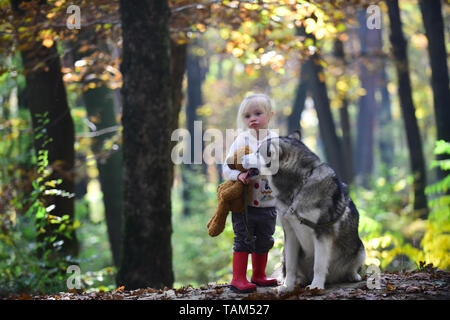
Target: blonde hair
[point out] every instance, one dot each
(258, 99)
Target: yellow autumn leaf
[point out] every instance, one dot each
(320, 33)
(76, 224)
(47, 42)
(321, 77)
(51, 183)
(237, 52)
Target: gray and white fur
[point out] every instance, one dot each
(306, 187)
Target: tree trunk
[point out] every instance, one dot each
(413, 137)
(293, 121)
(99, 104)
(178, 59)
(344, 115)
(384, 121)
(434, 30)
(346, 141)
(194, 101)
(327, 128)
(147, 116)
(46, 93)
(299, 102)
(367, 103)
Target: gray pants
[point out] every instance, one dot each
(261, 225)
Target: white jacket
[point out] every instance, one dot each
(261, 193)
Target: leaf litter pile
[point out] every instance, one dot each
(427, 283)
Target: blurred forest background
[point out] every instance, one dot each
(86, 177)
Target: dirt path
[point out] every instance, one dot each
(426, 284)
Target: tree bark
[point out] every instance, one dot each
(414, 140)
(293, 121)
(294, 118)
(344, 115)
(194, 101)
(327, 128)
(434, 30)
(178, 57)
(46, 93)
(384, 121)
(99, 103)
(147, 118)
(367, 103)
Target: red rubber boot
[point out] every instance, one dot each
(259, 262)
(239, 282)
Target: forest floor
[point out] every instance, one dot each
(427, 283)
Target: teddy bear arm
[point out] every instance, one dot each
(217, 223)
(233, 191)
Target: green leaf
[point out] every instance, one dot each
(40, 214)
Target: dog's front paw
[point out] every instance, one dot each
(355, 278)
(315, 285)
(283, 289)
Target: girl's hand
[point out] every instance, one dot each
(243, 177)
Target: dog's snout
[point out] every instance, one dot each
(249, 161)
(253, 172)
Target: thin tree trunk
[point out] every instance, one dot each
(413, 137)
(367, 103)
(327, 128)
(46, 93)
(178, 69)
(346, 141)
(194, 101)
(99, 103)
(147, 118)
(434, 30)
(384, 121)
(344, 115)
(299, 102)
(301, 93)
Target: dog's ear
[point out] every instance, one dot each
(296, 135)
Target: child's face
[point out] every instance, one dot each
(256, 117)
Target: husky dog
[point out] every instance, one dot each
(319, 219)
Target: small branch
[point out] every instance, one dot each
(99, 132)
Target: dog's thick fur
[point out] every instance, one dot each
(327, 254)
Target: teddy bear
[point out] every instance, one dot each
(230, 196)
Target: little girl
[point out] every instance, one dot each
(254, 115)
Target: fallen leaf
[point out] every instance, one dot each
(121, 288)
(412, 289)
(390, 287)
(24, 296)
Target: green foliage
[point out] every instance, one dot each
(198, 258)
(436, 241)
(28, 264)
(95, 257)
(393, 238)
